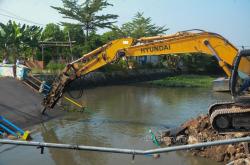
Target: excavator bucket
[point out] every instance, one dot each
(56, 92)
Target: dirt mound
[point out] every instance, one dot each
(200, 130)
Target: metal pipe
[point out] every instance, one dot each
(198, 145)
(12, 125)
(72, 146)
(125, 151)
(8, 130)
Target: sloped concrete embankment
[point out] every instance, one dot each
(21, 105)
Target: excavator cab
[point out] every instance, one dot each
(240, 79)
(234, 116)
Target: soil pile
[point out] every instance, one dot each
(200, 130)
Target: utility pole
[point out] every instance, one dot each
(70, 47)
(44, 44)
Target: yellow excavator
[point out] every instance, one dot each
(224, 117)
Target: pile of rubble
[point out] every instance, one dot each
(200, 130)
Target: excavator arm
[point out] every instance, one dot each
(179, 43)
(108, 53)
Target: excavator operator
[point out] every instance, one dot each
(245, 85)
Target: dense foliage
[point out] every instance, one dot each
(18, 40)
(141, 26)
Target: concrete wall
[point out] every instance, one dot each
(6, 70)
(116, 77)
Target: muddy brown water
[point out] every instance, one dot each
(117, 116)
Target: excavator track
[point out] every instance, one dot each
(230, 117)
(217, 106)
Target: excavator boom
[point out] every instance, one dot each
(180, 43)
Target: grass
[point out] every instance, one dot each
(51, 68)
(44, 71)
(200, 81)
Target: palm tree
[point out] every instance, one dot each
(15, 38)
(4, 39)
(31, 38)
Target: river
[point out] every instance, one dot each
(117, 116)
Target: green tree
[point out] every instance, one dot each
(32, 36)
(52, 32)
(87, 15)
(12, 35)
(75, 34)
(3, 40)
(13, 38)
(16, 39)
(115, 33)
(141, 26)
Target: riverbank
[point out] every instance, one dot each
(200, 130)
(94, 79)
(198, 81)
(152, 77)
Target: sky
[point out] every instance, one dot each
(230, 18)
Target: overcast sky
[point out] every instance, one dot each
(229, 18)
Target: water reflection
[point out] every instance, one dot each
(63, 157)
(63, 135)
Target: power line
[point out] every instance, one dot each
(14, 16)
(27, 21)
(24, 19)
